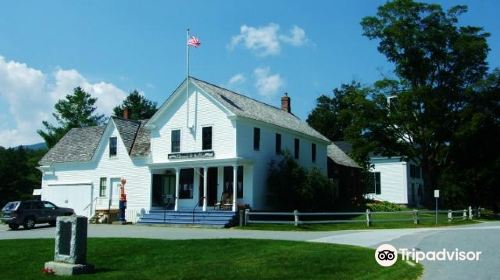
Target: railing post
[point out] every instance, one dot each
(450, 216)
(296, 217)
(368, 220)
(247, 214)
(415, 216)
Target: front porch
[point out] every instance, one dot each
(202, 185)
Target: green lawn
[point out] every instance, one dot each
(379, 221)
(206, 259)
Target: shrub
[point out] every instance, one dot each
(290, 186)
(383, 206)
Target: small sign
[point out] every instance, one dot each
(436, 193)
(205, 154)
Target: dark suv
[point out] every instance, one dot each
(31, 212)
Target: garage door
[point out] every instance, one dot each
(76, 196)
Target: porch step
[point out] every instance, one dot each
(186, 217)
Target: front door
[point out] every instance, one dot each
(115, 192)
(163, 190)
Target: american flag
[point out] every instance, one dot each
(194, 42)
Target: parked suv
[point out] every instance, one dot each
(31, 212)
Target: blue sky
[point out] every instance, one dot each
(258, 48)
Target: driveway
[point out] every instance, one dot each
(484, 237)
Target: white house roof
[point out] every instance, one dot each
(339, 157)
(79, 144)
(246, 107)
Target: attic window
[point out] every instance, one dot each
(112, 146)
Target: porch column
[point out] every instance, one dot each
(205, 172)
(177, 175)
(235, 179)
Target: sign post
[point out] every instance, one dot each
(436, 195)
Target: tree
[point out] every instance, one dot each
(76, 110)
(139, 107)
(436, 63)
(18, 173)
(292, 187)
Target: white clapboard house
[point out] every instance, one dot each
(207, 148)
(394, 179)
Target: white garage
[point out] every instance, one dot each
(71, 195)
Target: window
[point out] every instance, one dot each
(206, 138)
(377, 182)
(112, 146)
(239, 189)
(313, 152)
(102, 187)
(296, 148)
(48, 205)
(278, 143)
(256, 138)
(186, 180)
(175, 145)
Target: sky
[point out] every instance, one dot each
(258, 48)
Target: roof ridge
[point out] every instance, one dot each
(243, 95)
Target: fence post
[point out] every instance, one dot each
(296, 217)
(450, 216)
(241, 218)
(478, 212)
(246, 216)
(368, 218)
(470, 212)
(464, 215)
(415, 216)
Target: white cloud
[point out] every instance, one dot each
(266, 40)
(267, 84)
(296, 38)
(30, 95)
(237, 79)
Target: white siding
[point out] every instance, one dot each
(138, 186)
(393, 181)
(267, 152)
(207, 113)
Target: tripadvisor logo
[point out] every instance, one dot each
(387, 255)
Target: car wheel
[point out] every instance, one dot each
(52, 224)
(29, 223)
(13, 226)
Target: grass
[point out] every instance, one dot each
(206, 259)
(379, 221)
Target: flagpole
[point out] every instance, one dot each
(187, 78)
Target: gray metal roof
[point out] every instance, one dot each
(247, 107)
(142, 143)
(339, 157)
(79, 144)
(128, 130)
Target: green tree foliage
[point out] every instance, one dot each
(76, 110)
(138, 106)
(18, 173)
(292, 187)
(436, 62)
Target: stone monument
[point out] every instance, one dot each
(70, 255)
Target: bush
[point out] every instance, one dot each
(291, 187)
(383, 206)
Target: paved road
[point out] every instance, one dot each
(484, 237)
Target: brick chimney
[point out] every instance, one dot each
(125, 113)
(286, 104)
